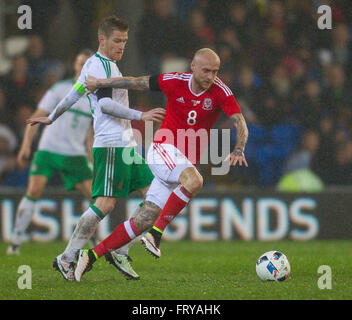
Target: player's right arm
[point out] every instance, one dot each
(45, 106)
(71, 98)
(76, 92)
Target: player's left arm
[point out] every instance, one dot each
(134, 83)
(237, 155)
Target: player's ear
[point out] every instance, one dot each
(192, 65)
(101, 39)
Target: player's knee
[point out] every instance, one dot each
(107, 208)
(191, 180)
(195, 184)
(105, 205)
(34, 192)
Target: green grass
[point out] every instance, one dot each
(187, 270)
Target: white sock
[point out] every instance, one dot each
(85, 228)
(24, 216)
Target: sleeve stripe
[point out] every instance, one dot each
(224, 87)
(183, 76)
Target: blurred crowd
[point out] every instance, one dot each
(292, 80)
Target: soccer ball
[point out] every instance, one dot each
(273, 266)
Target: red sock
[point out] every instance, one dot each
(122, 234)
(178, 199)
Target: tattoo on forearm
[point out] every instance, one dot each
(242, 132)
(139, 83)
(146, 216)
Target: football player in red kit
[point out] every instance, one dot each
(194, 102)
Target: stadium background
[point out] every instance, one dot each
(292, 81)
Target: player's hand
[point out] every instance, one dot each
(237, 156)
(156, 115)
(23, 156)
(90, 84)
(41, 120)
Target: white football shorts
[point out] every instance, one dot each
(166, 163)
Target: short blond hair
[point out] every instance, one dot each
(111, 23)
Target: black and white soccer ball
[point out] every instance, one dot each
(273, 266)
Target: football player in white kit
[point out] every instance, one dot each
(118, 168)
(62, 148)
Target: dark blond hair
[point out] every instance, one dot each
(111, 23)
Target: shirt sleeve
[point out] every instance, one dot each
(49, 101)
(166, 83)
(229, 104)
(90, 68)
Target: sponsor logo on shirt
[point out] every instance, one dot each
(195, 102)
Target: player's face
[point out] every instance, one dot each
(79, 63)
(115, 44)
(205, 70)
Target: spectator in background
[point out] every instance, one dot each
(248, 86)
(161, 34)
(336, 93)
(18, 86)
(203, 32)
(324, 159)
(280, 82)
(341, 172)
(341, 45)
(229, 37)
(303, 156)
(38, 62)
(297, 172)
(309, 105)
(239, 20)
(270, 110)
(42, 70)
(269, 51)
(4, 119)
(8, 143)
(276, 15)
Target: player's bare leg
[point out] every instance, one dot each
(190, 183)
(25, 210)
(123, 233)
(85, 228)
(85, 188)
(87, 225)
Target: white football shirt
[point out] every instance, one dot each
(108, 131)
(67, 135)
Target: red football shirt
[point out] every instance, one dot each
(190, 116)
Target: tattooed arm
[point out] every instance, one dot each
(237, 155)
(134, 83)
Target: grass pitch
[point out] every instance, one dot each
(186, 271)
